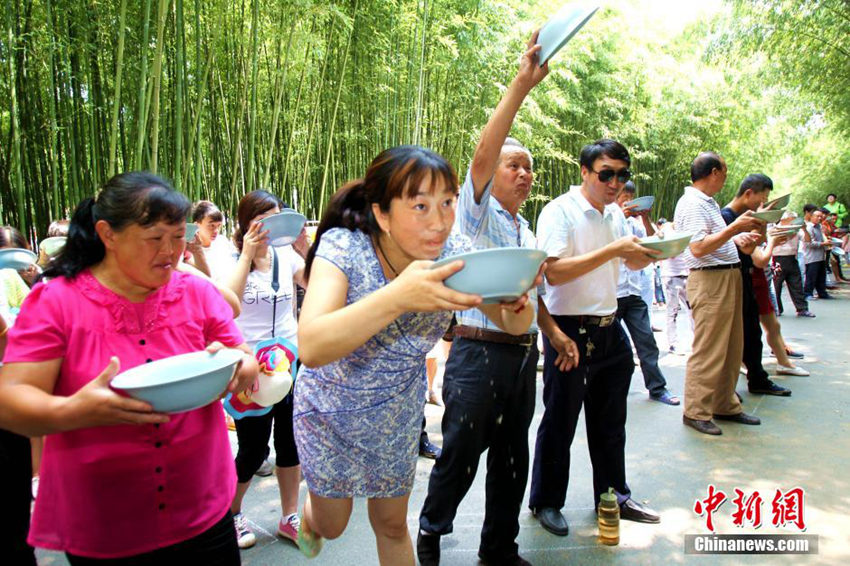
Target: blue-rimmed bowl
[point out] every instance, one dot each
(191, 230)
(284, 227)
(561, 28)
(16, 258)
(670, 245)
(180, 383)
(641, 203)
(497, 274)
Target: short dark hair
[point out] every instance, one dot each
(832, 195)
(809, 208)
(757, 182)
(824, 210)
(604, 147)
(203, 209)
(630, 188)
(704, 164)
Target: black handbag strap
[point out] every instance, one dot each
(275, 287)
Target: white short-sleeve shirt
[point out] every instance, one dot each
(264, 312)
(570, 226)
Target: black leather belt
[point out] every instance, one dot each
(484, 335)
(590, 320)
(735, 265)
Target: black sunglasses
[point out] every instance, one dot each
(623, 175)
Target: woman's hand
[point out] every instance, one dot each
(245, 374)
(421, 289)
(253, 239)
(194, 246)
(96, 404)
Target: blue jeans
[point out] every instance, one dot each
(634, 312)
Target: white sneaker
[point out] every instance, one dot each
(245, 538)
(265, 470)
(785, 370)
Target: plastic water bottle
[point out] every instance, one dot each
(608, 518)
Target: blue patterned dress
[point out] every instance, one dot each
(357, 420)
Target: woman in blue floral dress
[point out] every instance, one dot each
(373, 309)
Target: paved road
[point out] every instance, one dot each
(804, 441)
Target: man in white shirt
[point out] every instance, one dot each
(715, 293)
(632, 308)
(674, 275)
(584, 234)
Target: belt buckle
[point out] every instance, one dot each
(607, 320)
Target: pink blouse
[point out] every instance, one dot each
(110, 492)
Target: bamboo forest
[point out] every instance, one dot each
(297, 96)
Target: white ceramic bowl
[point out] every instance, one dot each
(284, 227)
(769, 215)
(52, 246)
(497, 274)
(180, 383)
(16, 258)
(780, 202)
(670, 245)
(561, 28)
(642, 203)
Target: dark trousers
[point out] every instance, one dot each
(16, 479)
(214, 547)
(816, 279)
(634, 312)
(253, 434)
(753, 346)
(488, 391)
(789, 273)
(601, 384)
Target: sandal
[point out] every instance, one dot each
(309, 543)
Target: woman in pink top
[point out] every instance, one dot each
(118, 481)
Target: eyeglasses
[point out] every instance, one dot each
(623, 175)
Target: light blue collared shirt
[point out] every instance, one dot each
(632, 282)
(489, 225)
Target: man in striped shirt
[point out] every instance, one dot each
(716, 298)
(490, 377)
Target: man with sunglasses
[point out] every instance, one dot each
(715, 293)
(585, 236)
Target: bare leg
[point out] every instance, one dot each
(431, 370)
(288, 480)
(389, 521)
(241, 490)
(773, 335)
(325, 516)
(37, 444)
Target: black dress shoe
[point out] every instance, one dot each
(705, 427)
(515, 560)
(770, 388)
(631, 510)
(428, 549)
(428, 449)
(742, 418)
(552, 520)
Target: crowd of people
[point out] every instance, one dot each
(123, 484)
